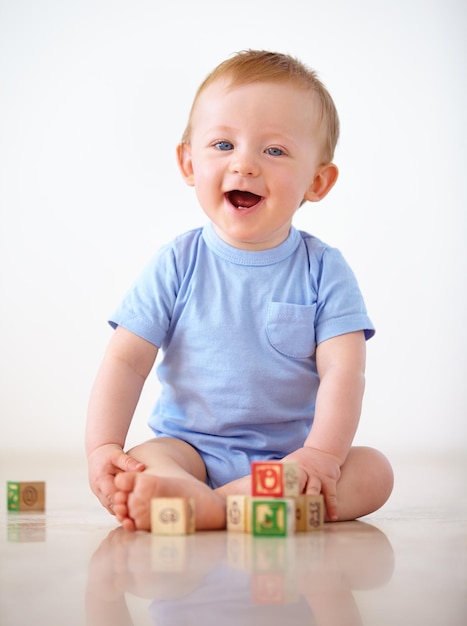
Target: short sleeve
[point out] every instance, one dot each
(146, 309)
(340, 305)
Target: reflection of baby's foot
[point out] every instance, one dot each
(132, 502)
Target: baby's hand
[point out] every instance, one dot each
(104, 463)
(320, 472)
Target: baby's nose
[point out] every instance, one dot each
(244, 164)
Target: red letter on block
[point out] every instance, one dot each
(267, 479)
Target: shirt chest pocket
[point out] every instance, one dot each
(291, 329)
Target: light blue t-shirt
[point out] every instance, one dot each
(238, 331)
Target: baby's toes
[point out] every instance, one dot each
(120, 497)
(120, 511)
(125, 481)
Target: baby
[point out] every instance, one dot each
(261, 327)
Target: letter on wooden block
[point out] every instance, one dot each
(172, 516)
(26, 496)
(314, 512)
(272, 518)
(238, 513)
(274, 479)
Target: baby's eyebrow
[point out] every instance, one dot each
(267, 135)
(217, 133)
(221, 128)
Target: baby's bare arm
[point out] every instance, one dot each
(114, 396)
(341, 368)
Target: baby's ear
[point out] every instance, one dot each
(323, 181)
(185, 163)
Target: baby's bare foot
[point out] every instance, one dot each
(136, 489)
(120, 509)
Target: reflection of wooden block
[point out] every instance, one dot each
(275, 576)
(169, 553)
(239, 550)
(272, 517)
(22, 531)
(172, 516)
(271, 555)
(268, 588)
(274, 479)
(314, 512)
(26, 496)
(238, 513)
(274, 588)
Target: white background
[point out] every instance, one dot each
(94, 96)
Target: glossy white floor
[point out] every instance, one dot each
(406, 564)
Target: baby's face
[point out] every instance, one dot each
(252, 158)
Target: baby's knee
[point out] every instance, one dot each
(376, 470)
(381, 473)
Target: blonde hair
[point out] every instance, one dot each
(250, 66)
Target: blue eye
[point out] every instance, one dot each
(274, 151)
(224, 145)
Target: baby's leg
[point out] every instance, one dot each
(365, 484)
(173, 468)
(239, 486)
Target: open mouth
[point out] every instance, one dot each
(243, 199)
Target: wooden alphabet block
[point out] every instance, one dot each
(26, 496)
(238, 513)
(314, 513)
(272, 517)
(172, 516)
(309, 513)
(300, 514)
(275, 480)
